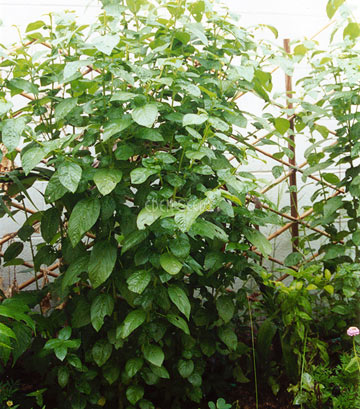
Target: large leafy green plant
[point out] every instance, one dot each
(130, 128)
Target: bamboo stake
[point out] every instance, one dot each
(298, 169)
(280, 179)
(48, 271)
(287, 216)
(275, 260)
(305, 214)
(7, 237)
(21, 207)
(240, 94)
(292, 160)
(33, 279)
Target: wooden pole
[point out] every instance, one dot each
(292, 160)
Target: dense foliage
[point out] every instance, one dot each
(134, 135)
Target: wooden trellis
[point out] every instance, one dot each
(294, 218)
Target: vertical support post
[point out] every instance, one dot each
(292, 177)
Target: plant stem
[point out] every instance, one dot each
(253, 354)
(303, 365)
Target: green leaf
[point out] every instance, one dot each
(16, 311)
(54, 189)
(353, 365)
(70, 175)
(102, 306)
(334, 251)
(191, 89)
(74, 361)
(78, 401)
(5, 349)
(135, 5)
(197, 9)
(139, 175)
(138, 281)
(106, 43)
(332, 6)
(185, 367)
(225, 307)
(197, 30)
(24, 338)
(150, 134)
(12, 131)
(145, 115)
(6, 331)
(50, 223)
(123, 96)
(135, 238)
(107, 179)
(132, 321)
(45, 255)
(82, 219)
(329, 288)
(300, 50)
(180, 247)
(133, 366)
(134, 393)
(218, 124)
(277, 171)
(5, 107)
(65, 333)
(193, 133)
(356, 238)
(71, 275)
(161, 372)
(31, 157)
(170, 263)
(72, 67)
(271, 28)
(81, 315)
(101, 351)
(182, 36)
(116, 126)
(340, 309)
(13, 250)
(178, 322)
(34, 26)
(145, 404)
(64, 107)
(154, 354)
(194, 119)
(195, 379)
(111, 372)
(282, 125)
(180, 299)
(352, 30)
(264, 339)
(259, 241)
(148, 216)
(331, 178)
(63, 376)
(24, 85)
(332, 205)
(293, 259)
(228, 337)
(61, 352)
(102, 262)
(124, 152)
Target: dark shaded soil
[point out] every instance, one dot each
(241, 396)
(244, 398)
